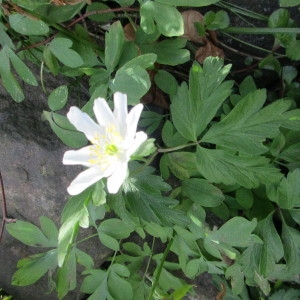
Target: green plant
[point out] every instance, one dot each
(225, 151)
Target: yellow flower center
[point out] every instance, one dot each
(111, 149)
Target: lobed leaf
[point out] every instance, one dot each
(230, 233)
(202, 192)
(61, 49)
(168, 20)
(248, 171)
(27, 26)
(114, 42)
(32, 268)
(248, 125)
(29, 234)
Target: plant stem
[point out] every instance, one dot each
(86, 238)
(166, 252)
(177, 147)
(266, 30)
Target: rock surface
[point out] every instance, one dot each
(35, 180)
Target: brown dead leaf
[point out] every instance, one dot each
(208, 50)
(190, 17)
(129, 32)
(157, 97)
(222, 293)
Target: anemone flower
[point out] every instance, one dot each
(113, 140)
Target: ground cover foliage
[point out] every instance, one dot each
(225, 148)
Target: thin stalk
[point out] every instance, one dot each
(266, 30)
(177, 147)
(154, 285)
(150, 258)
(86, 238)
(249, 44)
(242, 11)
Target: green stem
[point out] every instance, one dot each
(150, 258)
(86, 238)
(177, 147)
(154, 285)
(266, 30)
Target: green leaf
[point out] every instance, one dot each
(66, 275)
(145, 149)
(182, 164)
(289, 73)
(169, 51)
(195, 3)
(263, 283)
(103, 18)
(272, 248)
(134, 82)
(8, 80)
(125, 2)
(194, 267)
(5, 39)
(166, 82)
(287, 193)
(248, 171)
(75, 214)
(168, 20)
(22, 70)
(293, 50)
(286, 294)
(58, 98)
(84, 259)
(143, 195)
(114, 42)
(270, 63)
(182, 113)
(236, 276)
(49, 229)
(96, 284)
(202, 192)
(65, 130)
(151, 120)
(244, 197)
(206, 94)
(61, 48)
(115, 228)
(32, 268)
(289, 3)
(27, 26)
(58, 14)
(248, 125)
(291, 241)
(132, 79)
(216, 21)
(99, 195)
(50, 61)
(171, 137)
(118, 278)
(229, 233)
(31, 235)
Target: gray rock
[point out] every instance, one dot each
(35, 181)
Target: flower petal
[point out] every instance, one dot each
(132, 120)
(82, 156)
(115, 181)
(84, 180)
(84, 123)
(121, 111)
(103, 112)
(140, 138)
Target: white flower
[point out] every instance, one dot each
(113, 141)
